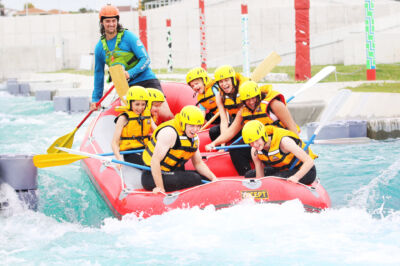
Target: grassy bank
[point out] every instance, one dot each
(392, 87)
(348, 73)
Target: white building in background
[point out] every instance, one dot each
(53, 42)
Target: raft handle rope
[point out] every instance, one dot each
(173, 194)
(91, 137)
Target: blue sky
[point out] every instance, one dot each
(66, 5)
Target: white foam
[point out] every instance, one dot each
(367, 193)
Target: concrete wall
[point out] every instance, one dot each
(48, 43)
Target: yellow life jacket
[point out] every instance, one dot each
(232, 103)
(274, 156)
(262, 112)
(207, 99)
(135, 133)
(179, 154)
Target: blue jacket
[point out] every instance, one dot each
(129, 42)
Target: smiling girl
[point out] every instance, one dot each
(132, 128)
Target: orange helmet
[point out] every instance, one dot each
(108, 11)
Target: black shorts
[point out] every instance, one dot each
(150, 83)
(173, 181)
(307, 179)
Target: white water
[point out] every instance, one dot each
(245, 234)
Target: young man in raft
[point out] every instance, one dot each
(121, 46)
(172, 144)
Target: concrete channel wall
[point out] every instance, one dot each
(54, 42)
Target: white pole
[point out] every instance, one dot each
(169, 43)
(245, 43)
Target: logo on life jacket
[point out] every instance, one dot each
(275, 158)
(254, 194)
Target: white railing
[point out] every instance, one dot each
(159, 3)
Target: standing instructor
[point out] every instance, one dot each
(120, 46)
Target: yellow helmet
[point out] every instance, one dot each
(155, 95)
(223, 72)
(191, 115)
(196, 73)
(254, 130)
(248, 90)
(137, 93)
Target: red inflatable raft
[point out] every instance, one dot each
(123, 192)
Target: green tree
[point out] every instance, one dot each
(29, 5)
(2, 13)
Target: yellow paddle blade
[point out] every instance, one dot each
(118, 77)
(265, 66)
(55, 159)
(121, 108)
(64, 141)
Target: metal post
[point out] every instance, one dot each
(303, 65)
(142, 26)
(203, 52)
(169, 42)
(245, 43)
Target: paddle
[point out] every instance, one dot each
(118, 77)
(334, 106)
(232, 147)
(209, 122)
(99, 157)
(68, 139)
(323, 73)
(265, 66)
(57, 159)
(311, 82)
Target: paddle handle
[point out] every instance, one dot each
(232, 147)
(142, 167)
(236, 141)
(121, 152)
(311, 140)
(97, 105)
(210, 121)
